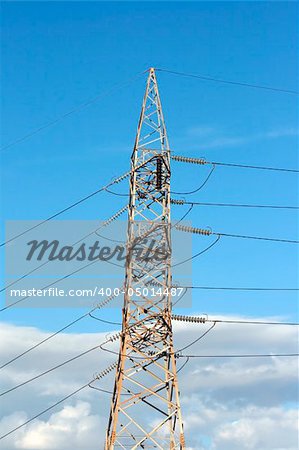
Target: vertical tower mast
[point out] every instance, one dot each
(145, 407)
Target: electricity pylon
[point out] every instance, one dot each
(145, 407)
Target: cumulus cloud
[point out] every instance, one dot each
(227, 403)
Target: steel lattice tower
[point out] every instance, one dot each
(145, 407)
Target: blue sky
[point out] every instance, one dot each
(57, 55)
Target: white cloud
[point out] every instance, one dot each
(212, 137)
(272, 428)
(227, 403)
(70, 428)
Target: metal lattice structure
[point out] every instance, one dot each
(145, 407)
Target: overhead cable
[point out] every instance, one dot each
(88, 313)
(184, 202)
(202, 161)
(71, 112)
(208, 232)
(58, 213)
(100, 375)
(221, 80)
(205, 319)
(112, 338)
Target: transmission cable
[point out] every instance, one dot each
(97, 377)
(110, 339)
(68, 275)
(205, 319)
(120, 194)
(197, 339)
(102, 320)
(55, 282)
(209, 232)
(202, 161)
(220, 80)
(197, 254)
(44, 411)
(244, 166)
(104, 224)
(117, 180)
(72, 111)
(257, 238)
(234, 288)
(184, 202)
(197, 189)
(265, 355)
(98, 306)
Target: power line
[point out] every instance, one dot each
(43, 341)
(198, 254)
(254, 322)
(75, 271)
(197, 339)
(208, 232)
(265, 355)
(104, 188)
(44, 411)
(104, 224)
(111, 339)
(36, 377)
(98, 306)
(55, 282)
(205, 319)
(233, 288)
(202, 161)
(183, 202)
(240, 236)
(120, 194)
(99, 376)
(71, 112)
(237, 83)
(197, 189)
(119, 179)
(244, 166)
(115, 181)
(104, 321)
(236, 205)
